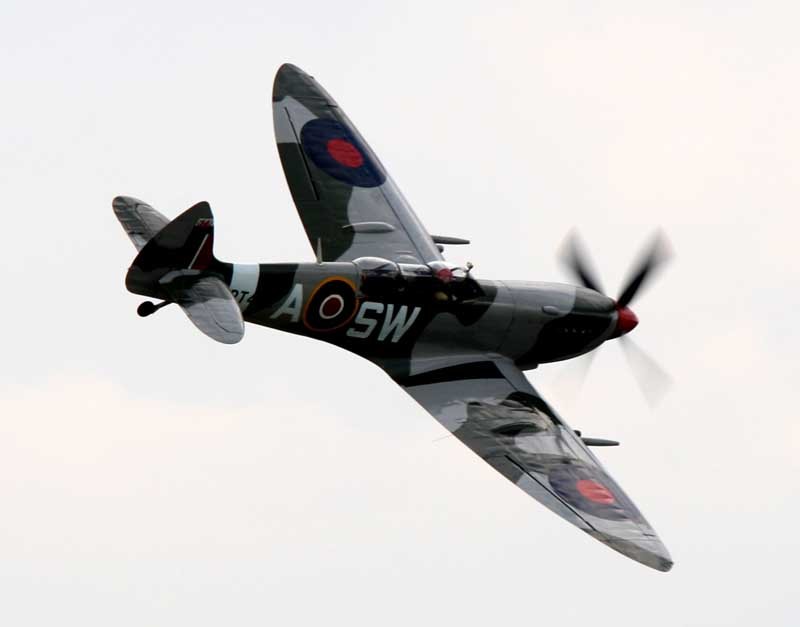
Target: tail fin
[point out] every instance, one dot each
(176, 263)
(185, 244)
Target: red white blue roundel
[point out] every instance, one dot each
(331, 306)
(334, 150)
(590, 492)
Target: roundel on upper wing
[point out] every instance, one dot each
(336, 151)
(332, 305)
(590, 492)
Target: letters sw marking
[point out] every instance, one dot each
(397, 320)
(395, 324)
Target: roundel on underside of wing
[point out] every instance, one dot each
(337, 152)
(332, 305)
(590, 492)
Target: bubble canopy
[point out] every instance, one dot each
(372, 267)
(377, 266)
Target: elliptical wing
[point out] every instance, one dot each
(492, 408)
(349, 205)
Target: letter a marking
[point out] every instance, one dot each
(292, 305)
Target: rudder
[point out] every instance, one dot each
(185, 244)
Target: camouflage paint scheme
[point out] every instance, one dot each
(381, 289)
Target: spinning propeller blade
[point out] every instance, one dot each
(576, 260)
(653, 380)
(573, 375)
(654, 257)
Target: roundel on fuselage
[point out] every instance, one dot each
(332, 305)
(337, 152)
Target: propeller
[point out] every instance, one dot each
(653, 380)
(650, 262)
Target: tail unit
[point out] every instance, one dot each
(176, 263)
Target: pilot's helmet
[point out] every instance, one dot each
(447, 272)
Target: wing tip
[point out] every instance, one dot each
(292, 81)
(287, 68)
(287, 75)
(649, 552)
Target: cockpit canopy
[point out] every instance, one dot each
(377, 266)
(379, 277)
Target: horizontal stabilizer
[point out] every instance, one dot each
(210, 306)
(140, 221)
(176, 263)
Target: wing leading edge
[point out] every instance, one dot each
(492, 408)
(349, 205)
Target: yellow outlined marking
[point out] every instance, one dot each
(311, 300)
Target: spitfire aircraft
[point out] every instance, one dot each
(381, 288)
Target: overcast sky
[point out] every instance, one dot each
(149, 476)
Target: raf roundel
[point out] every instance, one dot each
(335, 150)
(345, 153)
(332, 305)
(586, 491)
(595, 492)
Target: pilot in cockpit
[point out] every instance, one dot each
(383, 278)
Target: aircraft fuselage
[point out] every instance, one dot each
(415, 313)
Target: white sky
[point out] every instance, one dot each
(149, 476)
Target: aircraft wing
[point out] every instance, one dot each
(349, 205)
(492, 408)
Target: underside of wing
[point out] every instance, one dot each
(349, 205)
(491, 407)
